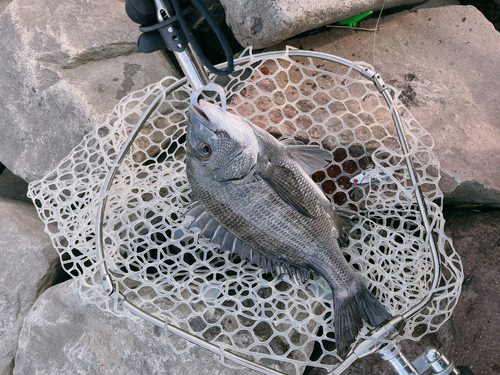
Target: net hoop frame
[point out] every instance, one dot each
(367, 73)
(247, 57)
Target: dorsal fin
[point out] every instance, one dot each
(288, 142)
(345, 223)
(310, 158)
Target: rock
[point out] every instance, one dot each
(470, 336)
(444, 62)
(64, 66)
(13, 187)
(3, 4)
(262, 23)
(62, 335)
(29, 266)
(436, 4)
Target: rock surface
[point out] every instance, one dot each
(444, 60)
(436, 4)
(262, 23)
(29, 266)
(62, 335)
(3, 4)
(63, 67)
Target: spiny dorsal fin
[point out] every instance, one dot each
(310, 158)
(344, 218)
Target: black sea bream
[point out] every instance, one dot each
(255, 198)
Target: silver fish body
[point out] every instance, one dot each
(257, 199)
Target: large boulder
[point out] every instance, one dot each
(29, 265)
(262, 23)
(444, 60)
(64, 66)
(62, 335)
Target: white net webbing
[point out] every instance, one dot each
(163, 269)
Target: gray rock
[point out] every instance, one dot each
(64, 66)
(3, 4)
(262, 23)
(445, 62)
(62, 335)
(29, 266)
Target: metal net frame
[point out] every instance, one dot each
(125, 184)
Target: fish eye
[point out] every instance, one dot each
(204, 150)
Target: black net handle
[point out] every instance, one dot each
(218, 32)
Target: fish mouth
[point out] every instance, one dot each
(200, 128)
(200, 112)
(200, 115)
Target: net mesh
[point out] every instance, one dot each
(165, 270)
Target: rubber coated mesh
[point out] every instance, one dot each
(163, 269)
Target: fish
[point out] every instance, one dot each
(254, 197)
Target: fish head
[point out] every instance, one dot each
(223, 143)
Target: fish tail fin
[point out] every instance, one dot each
(349, 313)
(370, 307)
(348, 321)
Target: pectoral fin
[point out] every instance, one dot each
(279, 179)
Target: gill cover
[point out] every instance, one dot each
(223, 143)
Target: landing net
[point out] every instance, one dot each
(167, 272)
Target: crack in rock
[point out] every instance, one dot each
(105, 52)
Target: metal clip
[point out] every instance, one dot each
(439, 363)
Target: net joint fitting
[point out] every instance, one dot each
(375, 78)
(379, 82)
(378, 336)
(119, 297)
(107, 283)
